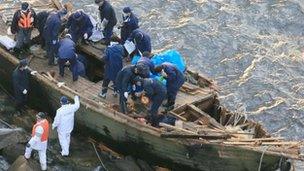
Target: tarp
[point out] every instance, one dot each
(172, 56)
(96, 32)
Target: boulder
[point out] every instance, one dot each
(21, 164)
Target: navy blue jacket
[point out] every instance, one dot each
(20, 81)
(41, 20)
(80, 69)
(148, 63)
(154, 89)
(125, 78)
(143, 45)
(107, 12)
(52, 27)
(113, 61)
(129, 25)
(175, 78)
(66, 49)
(78, 28)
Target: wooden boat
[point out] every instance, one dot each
(206, 137)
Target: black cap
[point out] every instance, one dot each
(24, 6)
(23, 63)
(41, 115)
(98, 1)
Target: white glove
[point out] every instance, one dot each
(54, 42)
(60, 84)
(85, 36)
(133, 87)
(164, 74)
(53, 127)
(66, 30)
(34, 72)
(126, 94)
(24, 91)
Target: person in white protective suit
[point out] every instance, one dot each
(64, 121)
(40, 133)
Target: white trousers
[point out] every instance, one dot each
(42, 156)
(64, 140)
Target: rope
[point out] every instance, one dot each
(261, 159)
(98, 156)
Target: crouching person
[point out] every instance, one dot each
(156, 92)
(40, 133)
(64, 122)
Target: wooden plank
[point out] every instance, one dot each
(175, 128)
(257, 139)
(191, 136)
(211, 120)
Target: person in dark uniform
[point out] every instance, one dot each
(129, 24)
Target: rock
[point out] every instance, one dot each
(11, 153)
(21, 164)
(11, 137)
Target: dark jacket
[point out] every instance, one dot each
(129, 25)
(14, 27)
(78, 28)
(125, 78)
(66, 49)
(20, 81)
(113, 61)
(175, 78)
(41, 20)
(148, 63)
(154, 90)
(144, 44)
(81, 71)
(107, 12)
(52, 27)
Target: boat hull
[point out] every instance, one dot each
(129, 137)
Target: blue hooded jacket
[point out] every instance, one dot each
(66, 49)
(125, 78)
(41, 20)
(142, 41)
(148, 63)
(129, 25)
(78, 24)
(113, 61)
(175, 78)
(52, 27)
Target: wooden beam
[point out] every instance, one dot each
(191, 136)
(211, 120)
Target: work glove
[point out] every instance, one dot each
(28, 145)
(138, 94)
(85, 36)
(164, 74)
(34, 72)
(53, 127)
(126, 94)
(24, 91)
(65, 30)
(54, 42)
(133, 87)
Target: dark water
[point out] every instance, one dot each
(252, 48)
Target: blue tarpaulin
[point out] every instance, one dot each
(172, 56)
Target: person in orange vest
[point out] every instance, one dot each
(40, 134)
(22, 26)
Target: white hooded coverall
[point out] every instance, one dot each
(64, 121)
(36, 144)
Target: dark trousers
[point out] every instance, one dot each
(156, 103)
(122, 102)
(105, 84)
(23, 38)
(51, 51)
(61, 63)
(108, 32)
(20, 100)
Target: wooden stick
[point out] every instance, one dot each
(257, 139)
(262, 143)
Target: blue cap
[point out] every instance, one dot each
(62, 12)
(64, 100)
(23, 63)
(127, 10)
(24, 6)
(77, 15)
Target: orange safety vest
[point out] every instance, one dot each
(26, 21)
(45, 125)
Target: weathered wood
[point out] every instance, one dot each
(257, 139)
(175, 128)
(191, 136)
(211, 120)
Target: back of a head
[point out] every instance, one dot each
(23, 63)
(138, 36)
(158, 68)
(41, 115)
(64, 100)
(25, 6)
(147, 54)
(127, 10)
